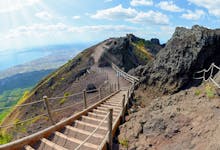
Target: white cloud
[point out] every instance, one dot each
(141, 2)
(131, 15)
(190, 15)
(169, 6)
(44, 15)
(117, 12)
(40, 30)
(211, 5)
(10, 6)
(76, 17)
(150, 17)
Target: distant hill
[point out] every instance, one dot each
(51, 61)
(22, 80)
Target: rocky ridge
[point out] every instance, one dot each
(188, 51)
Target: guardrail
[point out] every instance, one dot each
(109, 117)
(111, 125)
(101, 93)
(125, 75)
(210, 72)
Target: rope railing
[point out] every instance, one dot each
(127, 76)
(46, 100)
(99, 125)
(210, 72)
(23, 121)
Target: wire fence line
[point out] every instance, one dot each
(103, 90)
(208, 74)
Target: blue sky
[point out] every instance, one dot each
(28, 23)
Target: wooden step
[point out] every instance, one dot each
(50, 145)
(113, 107)
(97, 115)
(84, 132)
(28, 147)
(112, 104)
(115, 103)
(90, 145)
(94, 119)
(104, 112)
(90, 125)
(106, 109)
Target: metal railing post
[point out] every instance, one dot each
(84, 99)
(110, 118)
(46, 102)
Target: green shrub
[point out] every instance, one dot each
(63, 100)
(5, 138)
(124, 143)
(197, 92)
(210, 93)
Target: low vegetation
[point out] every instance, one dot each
(142, 52)
(124, 143)
(10, 98)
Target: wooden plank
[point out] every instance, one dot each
(52, 145)
(104, 108)
(90, 125)
(84, 132)
(112, 104)
(90, 145)
(94, 119)
(114, 107)
(28, 147)
(98, 115)
(31, 139)
(104, 111)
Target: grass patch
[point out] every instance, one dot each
(142, 52)
(209, 90)
(197, 92)
(124, 143)
(63, 100)
(5, 138)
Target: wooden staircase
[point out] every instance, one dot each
(73, 134)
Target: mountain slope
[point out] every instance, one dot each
(61, 82)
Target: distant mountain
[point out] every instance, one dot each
(23, 80)
(52, 61)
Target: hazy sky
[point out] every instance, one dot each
(26, 23)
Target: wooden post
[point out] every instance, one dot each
(128, 96)
(211, 73)
(106, 76)
(118, 81)
(46, 102)
(123, 105)
(100, 94)
(84, 99)
(110, 128)
(115, 87)
(110, 90)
